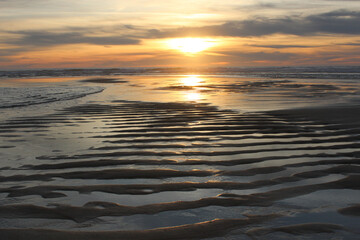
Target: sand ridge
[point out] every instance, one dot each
(144, 149)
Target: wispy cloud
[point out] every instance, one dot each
(335, 22)
(46, 38)
(261, 56)
(280, 46)
(351, 44)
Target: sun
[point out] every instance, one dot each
(191, 45)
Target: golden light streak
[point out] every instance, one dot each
(191, 81)
(193, 96)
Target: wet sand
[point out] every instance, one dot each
(192, 170)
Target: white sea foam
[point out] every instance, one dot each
(19, 97)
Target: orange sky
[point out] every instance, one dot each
(139, 33)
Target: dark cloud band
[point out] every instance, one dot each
(45, 38)
(336, 22)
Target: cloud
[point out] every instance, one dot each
(46, 38)
(21, 3)
(350, 44)
(262, 56)
(261, 5)
(335, 22)
(280, 46)
(259, 58)
(8, 52)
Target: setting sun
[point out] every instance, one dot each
(191, 45)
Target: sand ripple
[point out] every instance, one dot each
(181, 161)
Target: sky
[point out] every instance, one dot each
(178, 33)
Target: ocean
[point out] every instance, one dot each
(172, 153)
(287, 87)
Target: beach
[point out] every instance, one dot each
(180, 156)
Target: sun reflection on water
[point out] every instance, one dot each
(193, 96)
(194, 82)
(191, 81)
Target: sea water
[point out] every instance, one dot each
(69, 131)
(240, 88)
